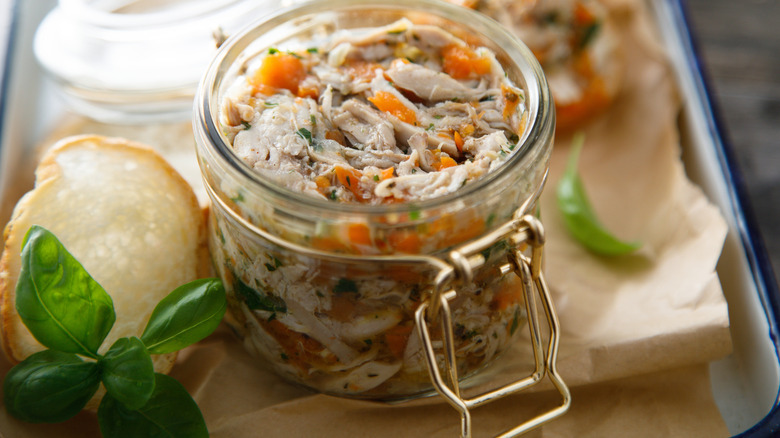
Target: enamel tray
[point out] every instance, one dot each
(746, 383)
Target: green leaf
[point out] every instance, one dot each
(169, 413)
(50, 387)
(188, 314)
(60, 303)
(578, 215)
(128, 372)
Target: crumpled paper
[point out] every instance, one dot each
(637, 331)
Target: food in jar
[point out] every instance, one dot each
(402, 113)
(576, 46)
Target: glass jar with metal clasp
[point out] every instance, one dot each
(391, 301)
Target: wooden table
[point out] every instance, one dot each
(739, 41)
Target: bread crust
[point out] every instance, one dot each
(61, 165)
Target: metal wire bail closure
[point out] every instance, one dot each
(522, 229)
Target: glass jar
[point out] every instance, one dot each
(136, 61)
(327, 292)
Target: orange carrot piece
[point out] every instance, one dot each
(396, 339)
(511, 100)
(595, 100)
(447, 162)
(405, 241)
(349, 178)
(458, 140)
(387, 173)
(280, 70)
(363, 71)
(582, 15)
(461, 62)
(309, 91)
(329, 244)
(359, 234)
(390, 104)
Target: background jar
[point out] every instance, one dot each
(136, 61)
(336, 314)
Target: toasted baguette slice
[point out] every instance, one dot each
(125, 214)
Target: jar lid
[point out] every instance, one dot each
(136, 61)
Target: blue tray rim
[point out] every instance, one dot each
(747, 226)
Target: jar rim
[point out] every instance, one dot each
(540, 124)
(107, 14)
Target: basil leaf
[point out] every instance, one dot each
(128, 372)
(50, 387)
(578, 215)
(188, 314)
(60, 303)
(170, 413)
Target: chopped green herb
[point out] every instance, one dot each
(438, 116)
(488, 98)
(304, 134)
(270, 104)
(333, 195)
(395, 32)
(270, 267)
(345, 285)
(313, 120)
(376, 177)
(312, 50)
(247, 125)
(515, 322)
(489, 221)
(238, 198)
(290, 52)
(272, 51)
(589, 34)
(430, 127)
(256, 300)
(414, 214)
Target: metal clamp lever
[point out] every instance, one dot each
(526, 229)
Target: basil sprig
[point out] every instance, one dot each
(68, 312)
(578, 215)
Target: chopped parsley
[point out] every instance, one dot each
(345, 285)
(256, 300)
(312, 50)
(376, 177)
(333, 195)
(247, 125)
(238, 198)
(515, 323)
(304, 134)
(273, 51)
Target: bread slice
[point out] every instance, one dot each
(130, 219)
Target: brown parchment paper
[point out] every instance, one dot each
(637, 331)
